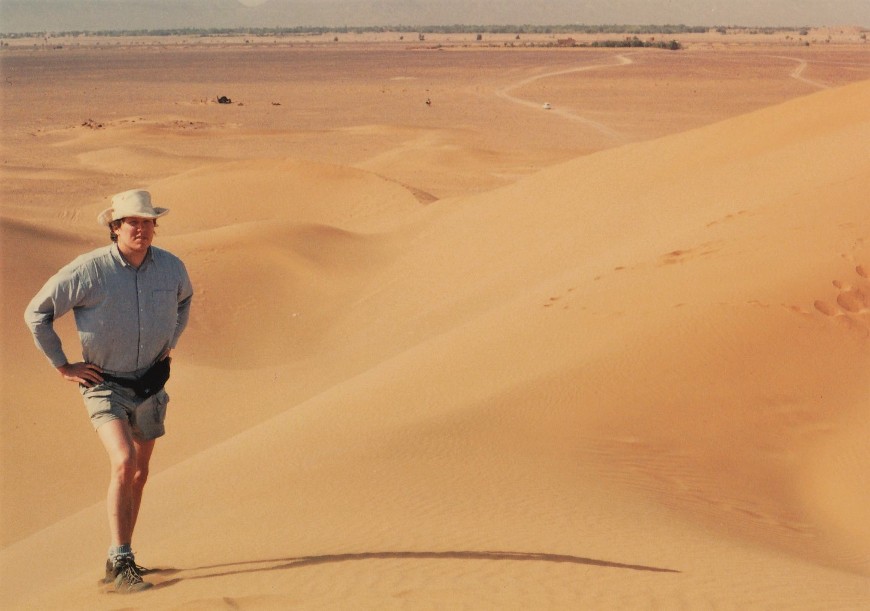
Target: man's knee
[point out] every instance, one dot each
(140, 476)
(124, 466)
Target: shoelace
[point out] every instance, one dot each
(131, 560)
(130, 574)
(141, 569)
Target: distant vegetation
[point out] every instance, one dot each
(556, 29)
(442, 29)
(634, 41)
(560, 33)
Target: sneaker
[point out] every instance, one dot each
(110, 571)
(127, 577)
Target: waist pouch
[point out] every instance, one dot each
(151, 382)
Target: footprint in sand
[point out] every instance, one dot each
(684, 254)
(552, 300)
(854, 300)
(851, 300)
(825, 308)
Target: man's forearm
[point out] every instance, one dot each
(48, 341)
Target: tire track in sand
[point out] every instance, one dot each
(798, 72)
(505, 94)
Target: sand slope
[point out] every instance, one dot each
(637, 379)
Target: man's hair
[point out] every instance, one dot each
(115, 225)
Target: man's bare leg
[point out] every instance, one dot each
(144, 450)
(118, 441)
(129, 460)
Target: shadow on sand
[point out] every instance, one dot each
(281, 564)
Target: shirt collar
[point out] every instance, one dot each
(116, 254)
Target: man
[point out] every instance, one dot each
(131, 302)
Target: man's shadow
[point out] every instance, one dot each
(282, 564)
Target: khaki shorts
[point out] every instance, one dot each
(109, 401)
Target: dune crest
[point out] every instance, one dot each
(282, 189)
(270, 287)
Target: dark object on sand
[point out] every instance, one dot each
(224, 100)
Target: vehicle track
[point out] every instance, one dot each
(504, 93)
(798, 72)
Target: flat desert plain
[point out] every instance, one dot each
(475, 326)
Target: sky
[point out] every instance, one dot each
(93, 15)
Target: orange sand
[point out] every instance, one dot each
(473, 354)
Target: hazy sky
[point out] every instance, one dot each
(70, 15)
(753, 12)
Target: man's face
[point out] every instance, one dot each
(135, 234)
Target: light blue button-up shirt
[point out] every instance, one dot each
(126, 317)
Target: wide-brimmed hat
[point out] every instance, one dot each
(130, 203)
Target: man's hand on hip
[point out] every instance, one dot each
(86, 374)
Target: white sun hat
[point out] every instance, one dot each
(130, 203)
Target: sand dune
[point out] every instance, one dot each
(638, 378)
(240, 192)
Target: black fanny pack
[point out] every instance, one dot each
(151, 382)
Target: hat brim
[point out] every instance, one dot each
(107, 216)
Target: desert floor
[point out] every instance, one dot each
(451, 348)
